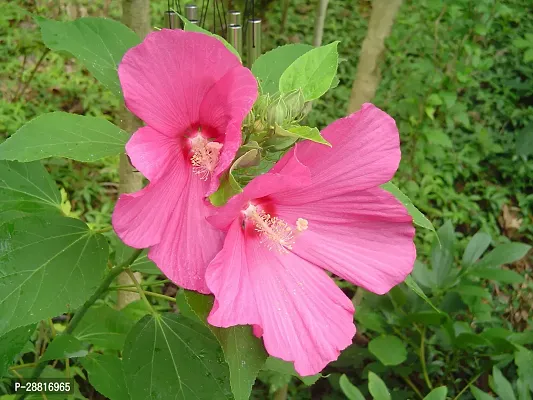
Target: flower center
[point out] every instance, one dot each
(204, 157)
(274, 232)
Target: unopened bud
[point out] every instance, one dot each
(259, 126)
(295, 101)
(276, 112)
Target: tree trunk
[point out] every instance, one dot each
(321, 11)
(368, 74)
(136, 15)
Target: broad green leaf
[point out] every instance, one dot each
(504, 254)
(26, 188)
(467, 340)
(169, 356)
(229, 187)
(284, 367)
(438, 138)
(498, 275)
(11, 343)
(302, 132)
(473, 290)
(437, 394)
(523, 389)
(187, 26)
(99, 43)
(243, 352)
(64, 346)
(141, 264)
(350, 391)
(426, 317)
(418, 218)
(104, 327)
(523, 359)
(388, 349)
(269, 67)
(313, 72)
(476, 247)
(409, 281)
(106, 375)
(480, 394)
(60, 134)
(442, 251)
(48, 266)
(501, 385)
(377, 387)
(524, 141)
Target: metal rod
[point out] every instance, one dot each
(194, 22)
(253, 41)
(234, 17)
(191, 12)
(172, 20)
(235, 37)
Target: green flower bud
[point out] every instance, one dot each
(261, 105)
(276, 112)
(295, 101)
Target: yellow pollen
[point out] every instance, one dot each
(205, 156)
(274, 232)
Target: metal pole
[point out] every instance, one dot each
(234, 17)
(253, 41)
(194, 22)
(191, 12)
(235, 37)
(172, 20)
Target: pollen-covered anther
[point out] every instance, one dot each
(205, 156)
(275, 233)
(301, 224)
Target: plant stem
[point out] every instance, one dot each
(466, 387)
(141, 292)
(22, 366)
(111, 275)
(415, 389)
(104, 230)
(423, 358)
(146, 293)
(20, 93)
(320, 18)
(157, 283)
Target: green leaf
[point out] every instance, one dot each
(141, 264)
(502, 386)
(103, 326)
(504, 254)
(439, 138)
(472, 290)
(269, 67)
(377, 387)
(284, 367)
(302, 132)
(480, 394)
(229, 187)
(169, 356)
(26, 189)
(313, 72)
(64, 346)
(388, 349)
(409, 281)
(523, 359)
(60, 134)
(243, 352)
(528, 55)
(524, 141)
(418, 218)
(437, 393)
(349, 390)
(11, 343)
(106, 375)
(476, 247)
(48, 266)
(187, 26)
(99, 43)
(498, 275)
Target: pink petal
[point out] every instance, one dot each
(365, 237)
(140, 218)
(189, 243)
(167, 76)
(151, 152)
(224, 108)
(365, 153)
(303, 315)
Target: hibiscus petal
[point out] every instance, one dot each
(364, 237)
(140, 218)
(365, 153)
(304, 317)
(224, 108)
(166, 77)
(189, 243)
(151, 152)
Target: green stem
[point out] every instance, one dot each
(423, 358)
(111, 275)
(157, 283)
(147, 293)
(104, 230)
(141, 292)
(467, 386)
(413, 386)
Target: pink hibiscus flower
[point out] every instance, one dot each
(318, 209)
(193, 95)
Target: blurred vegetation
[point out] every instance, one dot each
(457, 77)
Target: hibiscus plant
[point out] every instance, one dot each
(255, 216)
